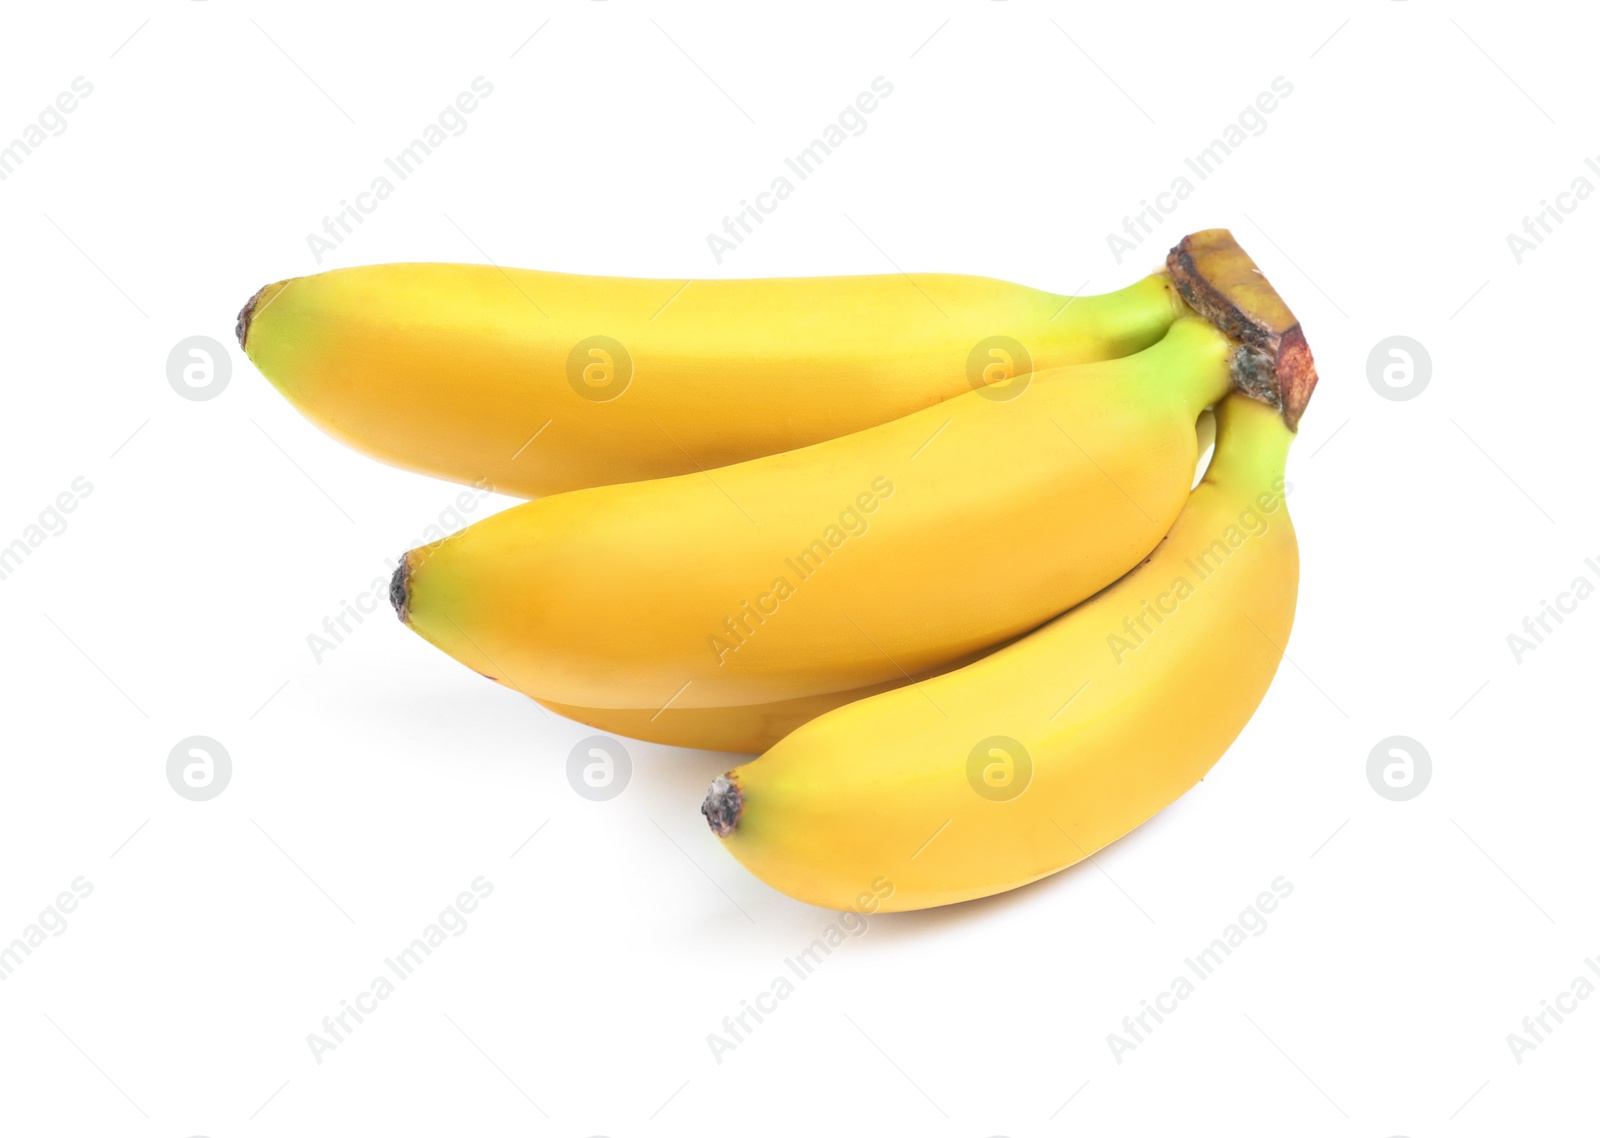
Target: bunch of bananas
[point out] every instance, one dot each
(934, 544)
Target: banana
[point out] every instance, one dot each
(534, 382)
(755, 727)
(854, 561)
(1021, 764)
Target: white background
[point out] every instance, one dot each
(371, 787)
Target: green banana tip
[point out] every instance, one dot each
(723, 806)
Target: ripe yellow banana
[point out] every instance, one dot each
(534, 382)
(1016, 766)
(851, 562)
(755, 727)
(1019, 765)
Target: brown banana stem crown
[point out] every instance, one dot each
(1222, 283)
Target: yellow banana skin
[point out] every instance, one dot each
(535, 382)
(1021, 764)
(745, 730)
(859, 560)
(755, 727)
(748, 730)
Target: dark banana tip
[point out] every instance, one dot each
(253, 307)
(241, 327)
(723, 805)
(400, 589)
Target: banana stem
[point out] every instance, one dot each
(1221, 282)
